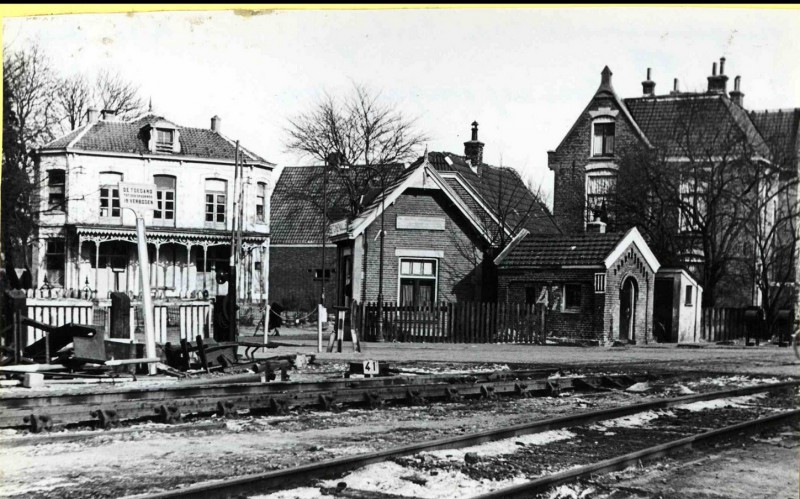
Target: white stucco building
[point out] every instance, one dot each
(84, 241)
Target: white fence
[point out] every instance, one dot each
(192, 318)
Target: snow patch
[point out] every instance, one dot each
(505, 446)
(639, 420)
(706, 405)
(298, 493)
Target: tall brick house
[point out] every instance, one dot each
(444, 218)
(589, 162)
(598, 287)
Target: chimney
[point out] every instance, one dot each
(675, 90)
(92, 114)
(473, 149)
(648, 86)
(596, 226)
(737, 95)
(216, 124)
(336, 160)
(718, 84)
(109, 115)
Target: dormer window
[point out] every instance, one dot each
(603, 138)
(164, 140)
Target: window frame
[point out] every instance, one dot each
(573, 308)
(688, 292)
(157, 218)
(608, 196)
(110, 198)
(50, 255)
(603, 122)
(215, 204)
(691, 191)
(417, 278)
(162, 145)
(62, 205)
(261, 202)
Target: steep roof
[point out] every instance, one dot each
(126, 137)
(781, 130)
(695, 124)
(296, 203)
(501, 189)
(560, 250)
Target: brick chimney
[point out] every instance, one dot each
(675, 90)
(109, 115)
(596, 226)
(718, 84)
(648, 86)
(473, 149)
(216, 124)
(737, 95)
(92, 114)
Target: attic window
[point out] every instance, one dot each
(164, 140)
(603, 138)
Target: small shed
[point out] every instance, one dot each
(677, 309)
(597, 286)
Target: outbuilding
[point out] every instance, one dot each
(597, 287)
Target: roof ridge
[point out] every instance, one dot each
(786, 110)
(80, 135)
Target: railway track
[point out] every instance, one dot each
(753, 412)
(170, 404)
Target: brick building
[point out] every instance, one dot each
(677, 131)
(597, 286)
(444, 218)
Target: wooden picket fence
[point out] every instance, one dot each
(462, 322)
(724, 324)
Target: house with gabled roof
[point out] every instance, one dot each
(86, 244)
(444, 218)
(681, 130)
(596, 287)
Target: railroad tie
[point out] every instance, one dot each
(522, 390)
(226, 409)
(415, 397)
(553, 389)
(106, 418)
(487, 392)
(453, 395)
(169, 414)
(39, 422)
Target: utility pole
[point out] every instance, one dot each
(233, 259)
(380, 336)
(324, 231)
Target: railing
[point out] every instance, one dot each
(463, 322)
(185, 320)
(56, 313)
(724, 324)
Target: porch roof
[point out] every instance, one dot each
(165, 235)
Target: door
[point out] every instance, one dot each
(627, 310)
(663, 296)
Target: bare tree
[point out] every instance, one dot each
(695, 197)
(116, 94)
(73, 96)
(361, 138)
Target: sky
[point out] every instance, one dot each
(525, 74)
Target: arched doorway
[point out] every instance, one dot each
(628, 294)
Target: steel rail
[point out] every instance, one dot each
(263, 482)
(524, 490)
(205, 399)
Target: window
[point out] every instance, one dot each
(533, 292)
(215, 202)
(603, 139)
(164, 214)
(417, 282)
(109, 195)
(218, 259)
(114, 254)
(54, 262)
(689, 292)
(164, 140)
(599, 283)
(55, 190)
(572, 297)
(692, 210)
(600, 193)
(261, 196)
